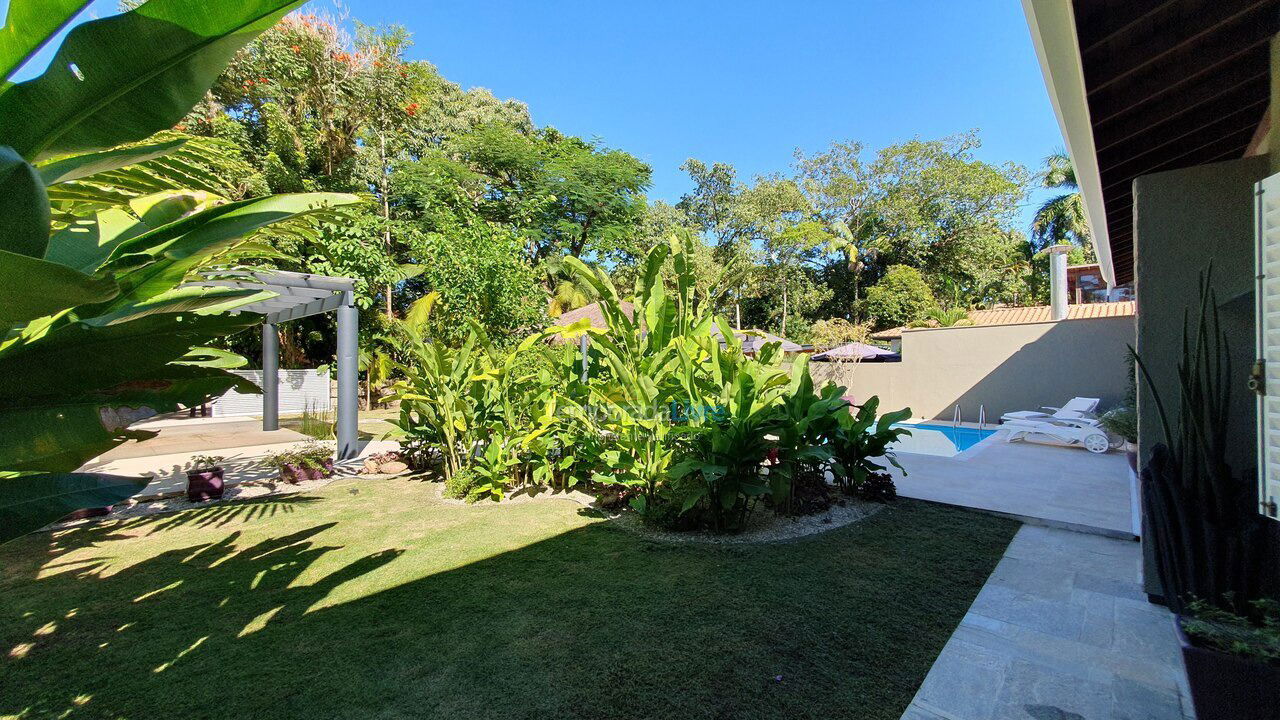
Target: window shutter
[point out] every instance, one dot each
(1267, 375)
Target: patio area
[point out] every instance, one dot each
(1043, 484)
(240, 441)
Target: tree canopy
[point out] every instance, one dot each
(476, 202)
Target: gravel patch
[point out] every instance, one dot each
(762, 527)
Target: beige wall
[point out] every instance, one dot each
(1000, 367)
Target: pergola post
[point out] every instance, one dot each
(348, 389)
(270, 377)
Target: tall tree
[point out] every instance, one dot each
(1061, 218)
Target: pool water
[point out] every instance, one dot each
(944, 440)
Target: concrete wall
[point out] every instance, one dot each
(999, 367)
(1183, 219)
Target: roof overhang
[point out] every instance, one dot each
(1140, 88)
(283, 295)
(1053, 31)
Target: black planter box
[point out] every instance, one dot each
(1229, 687)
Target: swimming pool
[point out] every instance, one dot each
(944, 440)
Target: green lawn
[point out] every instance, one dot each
(369, 599)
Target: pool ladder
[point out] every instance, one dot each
(982, 417)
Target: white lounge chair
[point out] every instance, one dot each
(1077, 432)
(1075, 409)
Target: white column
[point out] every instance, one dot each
(348, 388)
(270, 377)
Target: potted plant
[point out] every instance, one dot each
(204, 479)
(1123, 421)
(1232, 660)
(312, 461)
(1202, 521)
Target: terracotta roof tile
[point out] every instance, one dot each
(1030, 314)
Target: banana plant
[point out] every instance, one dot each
(96, 321)
(641, 365)
(861, 440)
(806, 427)
(729, 433)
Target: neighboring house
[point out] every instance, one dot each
(591, 312)
(1085, 284)
(1168, 112)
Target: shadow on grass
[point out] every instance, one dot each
(591, 623)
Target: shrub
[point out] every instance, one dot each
(1122, 421)
(461, 485)
(877, 487)
(838, 331)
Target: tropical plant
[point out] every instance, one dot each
(805, 430)
(1061, 218)
(936, 316)
(99, 324)
(861, 440)
(727, 431)
(642, 358)
(1122, 421)
(1203, 518)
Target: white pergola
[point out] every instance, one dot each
(294, 296)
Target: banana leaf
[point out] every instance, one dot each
(31, 288)
(87, 242)
(76, 358)
(105, 87)
(82, 166)
(24, 206)
(31, 501)
(29, 25)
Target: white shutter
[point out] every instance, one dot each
(1268, 299)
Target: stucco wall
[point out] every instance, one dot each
(1183, 219)
(999, 367)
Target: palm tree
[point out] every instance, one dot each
(955, 316)
(1061, 219)
(566, 291)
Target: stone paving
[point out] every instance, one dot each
(1040, 483)
(1060, 631)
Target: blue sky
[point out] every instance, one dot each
(745, 82)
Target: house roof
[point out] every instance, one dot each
(591, 312)
(1140, 88)
(1029, 314)
(753, 342)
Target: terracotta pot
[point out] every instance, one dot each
(204, 484)
(1228, 687)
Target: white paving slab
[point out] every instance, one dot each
(1060, 631)
(1060, 486)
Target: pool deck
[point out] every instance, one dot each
(1051, 485)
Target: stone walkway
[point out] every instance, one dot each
(1060, 631)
